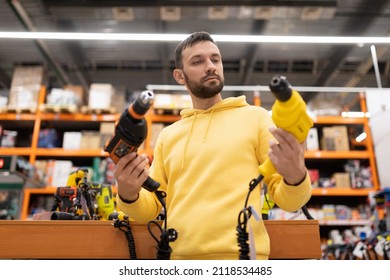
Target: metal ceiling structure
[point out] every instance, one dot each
(133, 65)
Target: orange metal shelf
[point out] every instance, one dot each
(164, 118)
(79, 117)
(337, 154)
(341, 191)
(17, 117)
(337, 120)
(55, 152)
(23, 151)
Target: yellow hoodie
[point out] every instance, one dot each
(204, 163)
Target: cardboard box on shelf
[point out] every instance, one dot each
(100, 96)
(78, 92)
(107, 129)
(335, 138)
(72, 140)
(342, 180)
(25, 85)
(90, 140)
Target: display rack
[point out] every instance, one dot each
(36, 120)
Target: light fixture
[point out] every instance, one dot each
(361, 137)
(158, 37)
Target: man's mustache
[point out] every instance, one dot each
(211, 76)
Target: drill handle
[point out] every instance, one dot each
(150, 184)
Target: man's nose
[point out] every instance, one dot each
(210, 66)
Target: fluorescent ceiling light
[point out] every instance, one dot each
(361, 137)
(179, 37)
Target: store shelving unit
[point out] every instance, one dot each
(35, 122)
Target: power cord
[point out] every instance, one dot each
(124, 225)
(164, 250)
(243, 218)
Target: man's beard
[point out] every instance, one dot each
(202, 91)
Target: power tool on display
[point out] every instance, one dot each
(288, 113)
(74, 201)
(131, 131)
(104, 200)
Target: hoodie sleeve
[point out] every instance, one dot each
(289, 198)
(146, 207)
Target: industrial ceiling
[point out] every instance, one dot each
(133, 65)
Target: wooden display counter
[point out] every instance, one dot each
(298, 239)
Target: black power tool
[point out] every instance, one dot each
(131, 131)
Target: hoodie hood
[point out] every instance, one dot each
(225, 104)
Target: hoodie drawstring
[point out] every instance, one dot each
(208, 125)
(187, 141)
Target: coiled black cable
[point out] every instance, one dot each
(124, 225)
(242, 234)
(243, 218)
(164, 250)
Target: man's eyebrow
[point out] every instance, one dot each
(200, 55)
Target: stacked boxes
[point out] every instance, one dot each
(25, 86)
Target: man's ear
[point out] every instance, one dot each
(179, 76)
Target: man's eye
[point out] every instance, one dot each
(196, 62)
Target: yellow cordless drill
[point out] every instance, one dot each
(289, 113)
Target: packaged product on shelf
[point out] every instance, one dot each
(48, 138)
(360, 176)
(100, 96)
(9, 138)
(25, 86)
(90, 140)
(342, 180)
(72, 140)
(312, 143)
(335, 138)
(57, 172)
(107, 129)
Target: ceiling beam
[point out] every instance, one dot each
(355, 26)
(252, 52)
(78, 58)
(23, 17)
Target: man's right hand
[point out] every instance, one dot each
(131, 172)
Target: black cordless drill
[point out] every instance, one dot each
(130, 132)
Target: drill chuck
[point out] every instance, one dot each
(289, 109)
(280, 88)
(141, 106)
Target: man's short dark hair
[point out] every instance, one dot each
(193, 39)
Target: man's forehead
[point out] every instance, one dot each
(201, 49)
